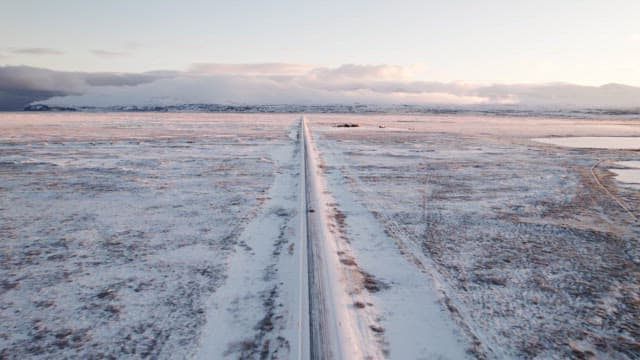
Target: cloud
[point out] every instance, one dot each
(281, 83)
(36, 51)
(30, 78)
(560, 94)
(16, 78)
(24, 83)
(250, 69)
(132, 45)
(116, 79)
(224, 89)
(107, 53)
(351, 72)
(18, 99)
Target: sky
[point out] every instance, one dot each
(583, 42)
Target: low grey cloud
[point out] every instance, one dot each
(31, 78)
(18, 99)
(16, 78)
(29, 84)
(276, 83)
(115, 79)
(608, 95)
(107, 53)
(36, 51)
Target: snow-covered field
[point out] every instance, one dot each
(148, 235)
(531, 257)
(116, 229)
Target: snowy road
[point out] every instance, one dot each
(328, 326)
(338, 328)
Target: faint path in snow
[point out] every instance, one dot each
(253, 315)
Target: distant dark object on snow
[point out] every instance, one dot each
(348, 125)
(40, 107)
(382, 126)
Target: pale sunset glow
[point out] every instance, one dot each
(289, 52)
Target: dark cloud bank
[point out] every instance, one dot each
(296, 84)
(23, 85)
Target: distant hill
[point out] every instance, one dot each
(42, 107)
(487, 110)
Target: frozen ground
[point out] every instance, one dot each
(595, 142)
(148, 235)
(117, 228)
(531, 256)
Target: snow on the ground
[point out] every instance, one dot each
(533, 258)
(133, 235)
(404, 300)
(594, 142)
(255, 313)
(116, 229)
